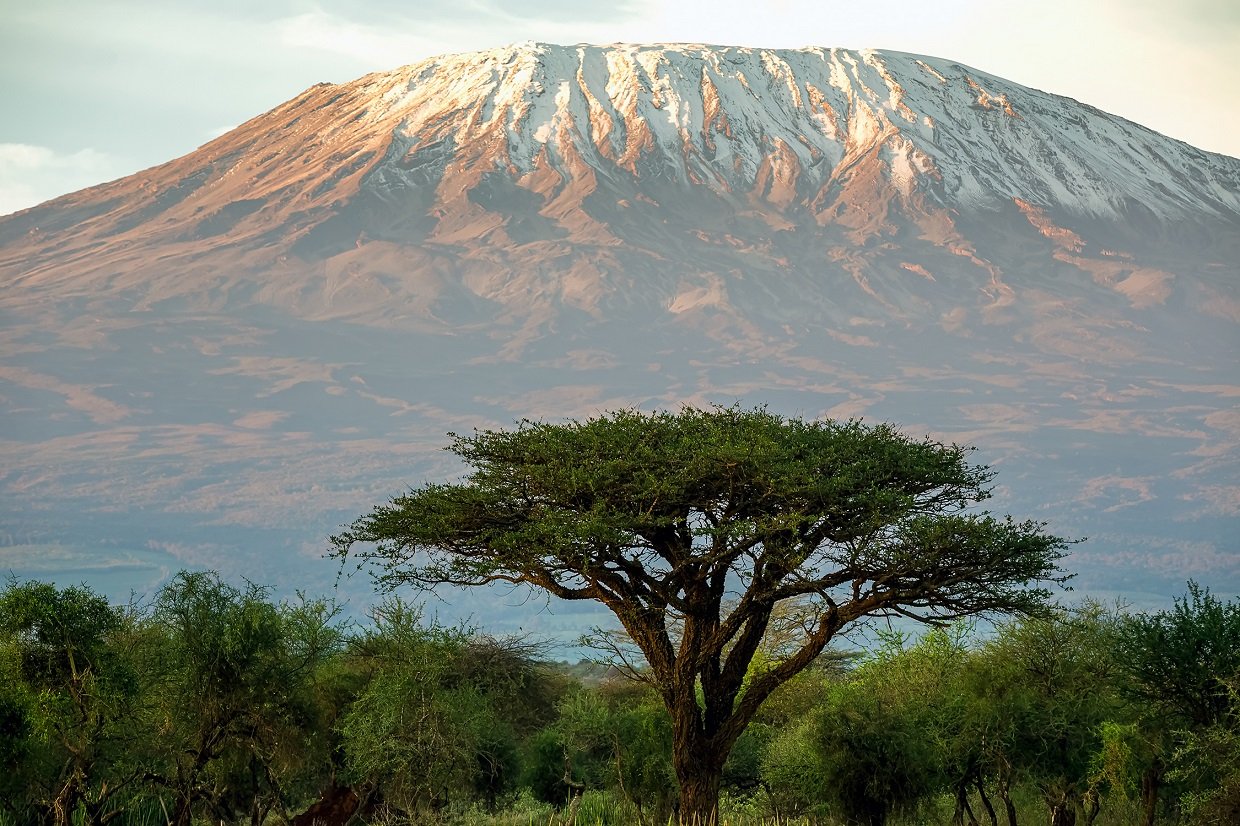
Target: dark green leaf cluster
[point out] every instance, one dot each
(635, 505)
(65, 690)
(214, 703)
(60, 635)
(438, 712)
(1176, 660)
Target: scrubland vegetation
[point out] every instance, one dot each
(734, 548)
(212, 703)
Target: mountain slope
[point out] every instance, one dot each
(526, 150)
(277, 329)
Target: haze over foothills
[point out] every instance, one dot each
(216, 362)
(96, 90)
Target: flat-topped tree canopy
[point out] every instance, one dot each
(693, 526)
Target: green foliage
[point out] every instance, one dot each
(1177, 668)
(873, 757)
(615, 738)
(790, 770)
(65, 690)
(18, 739)
(554, 504)
(413, 738)
(543, 767)
(16, 728)
(1050, 690)
(234, 699)
(439, 712)
(1125, 752)
(885, 736)
(1207, 763)
(1177, 661)
(61, 635)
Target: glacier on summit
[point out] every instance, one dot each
(716, 116)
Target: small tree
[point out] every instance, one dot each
(693, 527)
(617, 736)
(233, 702)
(67, 696)
(421, 729)
(1043, 699)
(1177, 663)
(892, 734)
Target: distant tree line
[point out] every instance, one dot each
(214, 703)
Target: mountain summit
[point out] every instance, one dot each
(275, 329)
(531, 154)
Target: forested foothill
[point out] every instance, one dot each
(212, 702)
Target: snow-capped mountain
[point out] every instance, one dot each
(277, 329)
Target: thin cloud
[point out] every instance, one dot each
(1213, 20)
(374, 44)
(31, 174)
(383, 41)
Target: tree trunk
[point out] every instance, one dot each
(574, 804)
(1151, 783)
(65, 803)
(183, 813)
(1092, 805)
(990, 810)
(699, 793)
(575, 791)
(1003, 786)
(1063, 813)
(1009, 808)
(697, 758)
(335, 807)
(963, 809)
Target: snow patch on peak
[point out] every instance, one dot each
(697, 112)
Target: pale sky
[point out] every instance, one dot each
(91, 90)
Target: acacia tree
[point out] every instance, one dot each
(67, 697)
(1177, 664)
(439, 711)
(1042, 700)
(693, 527)
(232, 679)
